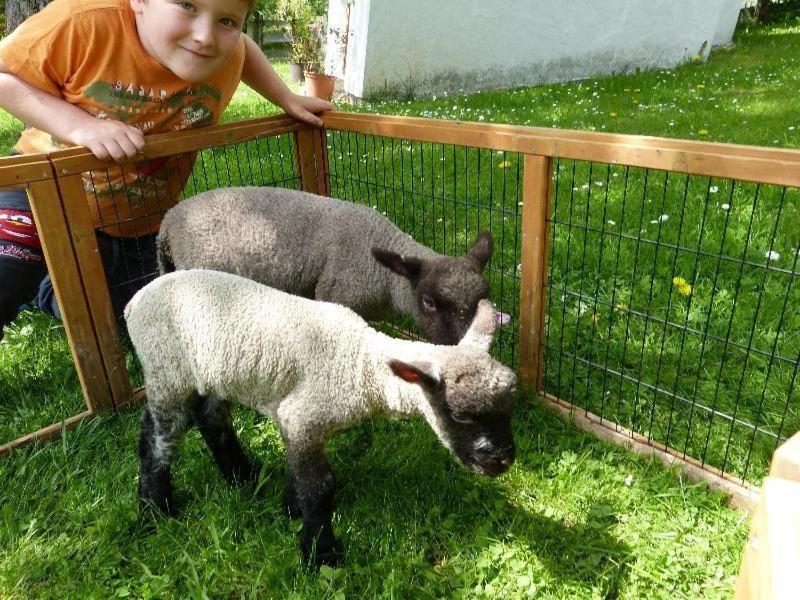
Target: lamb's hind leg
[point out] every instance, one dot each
(213, 418)
(157, 444)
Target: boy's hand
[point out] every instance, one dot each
(108, 140)
(303, 108)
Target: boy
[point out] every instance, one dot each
(101, 74)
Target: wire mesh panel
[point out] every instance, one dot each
(672, 309)
(443, 196)
(126, 214)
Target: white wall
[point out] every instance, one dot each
(427, 47)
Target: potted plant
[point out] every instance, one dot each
(297, 16)
(318, 83)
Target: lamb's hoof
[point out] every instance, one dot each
(151, 509)
(244, 474)
(323, 554)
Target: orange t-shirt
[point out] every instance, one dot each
(88, 52)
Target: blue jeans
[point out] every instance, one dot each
(129, 263)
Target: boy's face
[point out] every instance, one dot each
(191, 38)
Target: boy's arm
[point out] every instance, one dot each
(259, 75)
(107, 140)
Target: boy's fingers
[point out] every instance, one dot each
(137, 138)
(116, 152)
(100, 152)
(128, 147)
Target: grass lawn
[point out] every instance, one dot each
(574, 517)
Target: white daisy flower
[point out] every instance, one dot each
(772, 255)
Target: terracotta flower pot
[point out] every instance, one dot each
(320, 86)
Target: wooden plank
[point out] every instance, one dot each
(58, 251)
(306, 161)
(742, 495)
(772, 552)
(537, 176)
(79, 160)
(728, 161)
(46, 433)
(321, 160)
(16, 171)
(90, 265)
(786, 460)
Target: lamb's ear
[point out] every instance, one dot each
(481, 333)
(406, 266)
(481, 250)
(421, 372)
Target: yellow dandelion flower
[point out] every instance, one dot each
(622, 306)
(679, 281)
(613, 114)
(504, 165)
(685, 289)
(696, 57)
(703, 132)
(637, 90)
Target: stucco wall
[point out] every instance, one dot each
(423, 47)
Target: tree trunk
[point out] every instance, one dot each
(19, 10)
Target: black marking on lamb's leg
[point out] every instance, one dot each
(157, 445)
(213, 418)
(315, 486)
(291, 504)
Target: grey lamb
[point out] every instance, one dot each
(207, 338)
(326, 249)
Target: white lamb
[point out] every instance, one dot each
(208, 338)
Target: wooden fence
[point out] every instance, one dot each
(65, 225)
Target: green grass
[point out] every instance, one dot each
(575, 518)
(563, 523)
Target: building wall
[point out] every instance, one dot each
(423, 48)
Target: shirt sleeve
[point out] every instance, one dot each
(44, 50)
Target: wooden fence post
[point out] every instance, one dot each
(90, 265)
(535, 234)
(65, 275)
(312, 160)
(772, 552)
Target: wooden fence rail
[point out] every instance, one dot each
(60, 206)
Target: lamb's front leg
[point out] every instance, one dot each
(312, 486)
(159, 438)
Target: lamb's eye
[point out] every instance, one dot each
(428, 304)
(463, 419)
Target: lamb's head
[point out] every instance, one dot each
(447, 289)
(469, 397)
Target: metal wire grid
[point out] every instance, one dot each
(38, 380)
(443, 196)
(267, 161)
(672, 309)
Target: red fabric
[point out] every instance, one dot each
(17, 226)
